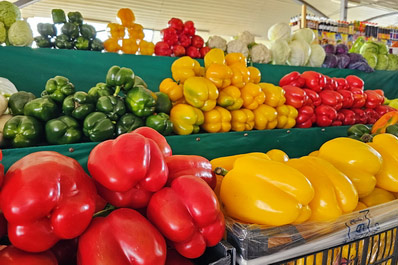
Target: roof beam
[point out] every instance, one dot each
(25, 3)
(309, 6)
(380, 16)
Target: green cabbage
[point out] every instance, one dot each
(300, 53)
(280, 51)
(305, 34)
(383, 48)
(3, 33)
(392, 62)
(317, 57)
(371, 58)
(9, 13)
(369, 47)
(382, 62)
(280, 31)
(357, 45)
(20, 34)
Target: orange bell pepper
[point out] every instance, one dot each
(146, 48)
(172, 89)
(230, 98)
(242, 120)
(219, 74)
(136, 31)
(129, 46)
(117, 31)
(112, 45)
(255, 74)
(217, 120)
(126, 16)
(241, 75)
(235, 57)
(386, 120)
(252, 96)
(265, 117)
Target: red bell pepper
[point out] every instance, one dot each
(373, 116)
(66, 251)
(46, 197)
(341, 83)
(359, 98)
(174, 258)
(124, 237)
(13, 256)
(373, 99)
(169, 36)
(193, 52)
(346, 116)
(295, 96)
(292, 79)
(360, 116)
(162, 49)
(176, 24)
(325, 115)
(306, 117)
(203, 51)
(198, 166)
(383, 109)
(189, 28)
(330, 84)
(348, 98)
(314, 80)
(184, 40)
(178, 50)
(128, 170)
(197, 41)
(159, 139)
(188, 214)
(313, 98)
(354, 81)
(332, 98)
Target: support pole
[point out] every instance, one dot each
(343, 10)
(303, 16)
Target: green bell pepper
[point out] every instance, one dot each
(78, 105)
(163, 103)
(22, 131)
(392, 129)
(161, 123)
(138, 81)
(63, 130)
(62, 41)
(75, 17)
(112, 106)
(17, 101)
(360, 132)
(88, 31)
(58, 16)
(120, 79)
(100, 89)
(43, 109)
(82, 43)
(96, 45)
(43, 42)
(128, 123)
(71, 30)
(47, 29)
(98, 127)
(140, 101)
(58, 88)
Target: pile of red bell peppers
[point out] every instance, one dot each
(325, 101)
(156, 203)
(179, 39)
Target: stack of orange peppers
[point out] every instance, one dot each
(132, 43)
(224, 95)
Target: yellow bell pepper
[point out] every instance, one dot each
(334, 192)
(396, 194)
(230, 98)
(252, 96)
(254, 192)
(265, 117)
(235, 57)
(274, 95)
(227, 162)
(255, 74)
(172, 89)
(387, 145)
(184, 68)
(199, 70)
(219, 74)
(305, 214)
(217, 120)
(146, 47)
(286, 116)
(241, 75)
(278, 155)
(136, 31)
(129, 46)
(378, 196)
(360, 206)
(200, 93)
(186, 119)
(242, 120)
(116, 30)
(358, 161)
(215, 55)
(314, 153)
(126, 16)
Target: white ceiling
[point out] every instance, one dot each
(216, 17)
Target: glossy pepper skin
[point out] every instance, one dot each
(63, 130)
(334, 192)
(230, 98)
(200, 93)
(286, 116)
(112, 106)
(332, 98)
(116, 30)
(146, 48)
(306, 117)
(127, 123)
(217, 120)
(136, 31)
(128, 170)
(188, 214)
(159, 139)
(227, 162)
(82, 43)
(313, 98)
(255, 74)
(22, 131)
(75, 17)
(295, 96)
(124, 237)
(265, 117)
(39, 195)
(126, 16)
(43, 109)
(252, 96)
(347, 115)
(163, 103)
(314, 80)
(240, 75)
(348, 98)
(120, 78)
(357, 131)
(360, 116)
(98, 127)
(70, 29)
(325, 115)
(358, 161)
(18, 100)
(172, 89)
(281, 204)
(274, 95)
(140, 101)
(58, 88)
(359, 97)
(387, 177)
(292, 79)
(186, 119)
(386, 120)
(96, 45)
(373, 116)
(219, 74)
(378, 196)
(160, 122)
(184, 68)
(354, 81)
(47, 29)
(129, 46)
(88, 31)
(99, 90)
(373, 99)
(58, 16)
(392, 129)
(78, 105)
(63, 41)
(214, 56)
(10, 255)
(242, 120)
(235, 57)
(43, 42)
(112, 45)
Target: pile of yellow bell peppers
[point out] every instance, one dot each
(224, 95)
(344, 175)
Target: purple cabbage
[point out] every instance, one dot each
(356, 57)
(330, 61)
(329, 48)
(361, 65)
(343, 60)
(341, 49)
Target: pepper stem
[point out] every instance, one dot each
(105, 212)
(220, 171)
(366, 138)
(117, 91)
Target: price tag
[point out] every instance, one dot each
(361, 226)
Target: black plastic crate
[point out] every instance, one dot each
(221, 254)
